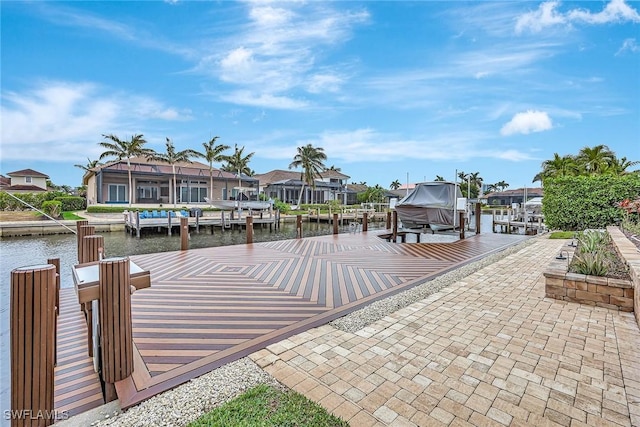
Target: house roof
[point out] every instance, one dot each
(279, 175)
(29, 188)
(4, 181)
(143, 165)
(28, 172)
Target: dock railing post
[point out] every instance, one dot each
(116, 332)
(169, 223)
(461, 222)
(79, 224)
(56, 263)
(478, 214)
(83, 230)
(184, 234)
(365, 221)
(32, 325)
(298, 226)
(249, 227)
(388, 224)
(335, 223)
(395, 225)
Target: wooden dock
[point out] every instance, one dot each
(208, 307)
(514, 221)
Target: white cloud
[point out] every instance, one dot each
(629, 45)
(277, 51)
(65, 119)
(527, 122)
(547, 15)
(265, 100)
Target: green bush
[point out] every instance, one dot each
(581, 202)
(71, 203)
(53, 208)
(8, 203)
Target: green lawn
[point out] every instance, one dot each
(562, 235)
(265, 406)
(71, 216)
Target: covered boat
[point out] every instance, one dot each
(430, 204)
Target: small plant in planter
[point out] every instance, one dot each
(592, 256)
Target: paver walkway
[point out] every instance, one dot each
(488, 350)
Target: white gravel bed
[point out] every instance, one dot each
(189, 401)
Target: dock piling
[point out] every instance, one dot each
(116, 331)
(249, 227)
(33, 322)
(335, 223)
(365, 221)
(478, 214)
(298, 226)
(184, 234)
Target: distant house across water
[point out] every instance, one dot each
(25, 181)
(286, 185)
(153, 183)
(508, 197)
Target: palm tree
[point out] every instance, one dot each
(439, 178)
(463, 176)
(238, 162)
(557, 167)
(620, 166)
(595, 160)
(333, 168)
(213, 153)
(172, 157)
(476, 180)
(395, 185)
(311, 160)
(115, 147)
(501, 185)
(90, 165)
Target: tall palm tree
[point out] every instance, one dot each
(237, 162)
(213, 153)
(90, 164)
(171, 156)
(463, 176)
(395, 185)
(501, 185)
(311, 160)
(476, 180)
(120, 149)
(557, 167)
(595, 160)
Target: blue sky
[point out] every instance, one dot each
(388, 89)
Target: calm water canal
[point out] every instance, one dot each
(24, 251)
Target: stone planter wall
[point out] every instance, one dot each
(615, 294)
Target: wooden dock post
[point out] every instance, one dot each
(335, 223)
(298, 226)
(395, 225)
(92, 248)
(116, 333)
(169, 224)
(33, 322)
(184, 234)
(388, 224)
(461, 222)
(83, 230)
(478, 214)
(249, 227)
(365, 221)
(79, 224)
(56, 263)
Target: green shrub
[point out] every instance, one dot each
(581, 202)
(593, 263)
(53, 208)
(71, 203)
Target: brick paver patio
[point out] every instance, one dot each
(488, 350)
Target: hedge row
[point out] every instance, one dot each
(68, 203)
(582, 202)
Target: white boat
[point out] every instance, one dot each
(230, 205)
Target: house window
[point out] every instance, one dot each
(117, 193)
(27, 179)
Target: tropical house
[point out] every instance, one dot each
(26, 181)
(509, 197)
(153, 183)
(286, 185)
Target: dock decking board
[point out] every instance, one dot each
(223, 303)
(76, 385)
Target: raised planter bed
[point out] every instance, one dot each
(599, 291)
